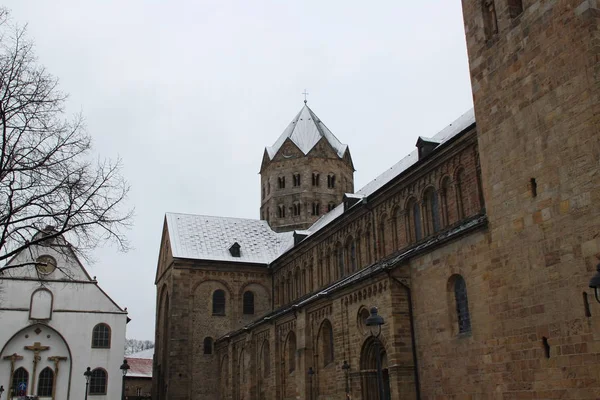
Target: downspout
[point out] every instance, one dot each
(412, 331)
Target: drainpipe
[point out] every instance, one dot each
(412, 331)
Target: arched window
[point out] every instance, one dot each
(444, 193)
(296, 179)
(208, 345)
(248, 303)
(20, 382)
(414, 221)
(462, 304)
(98, 381)
(515, 8)
(101, 337)
(352, 254)
(339, 253)
(432, 213)
(460, 195)
(296, 209)
(315, 179)
(281, 211)
(266, 359)
(218, 306)
(297, 282)
(316, 208)
(331, 181)
(46, 382)
(291, 352)
(281, 182)
(382, 249)
(326, 339)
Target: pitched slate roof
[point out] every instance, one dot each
(305, 130)
(209, 238)
(139, 367)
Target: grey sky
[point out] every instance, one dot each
(189, 93)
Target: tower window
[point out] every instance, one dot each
(315, 179)
(281, 182)
(316, 209)
(296, 209)
(208, 345)
(248, 306)
(296, 178)
(218, 306)
(515, 8)
(490, 18)
(331, 181)
(462, 304)
(281, 211)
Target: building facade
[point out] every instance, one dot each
(477, 249)
(56, 322)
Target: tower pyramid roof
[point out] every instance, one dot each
(305, 130)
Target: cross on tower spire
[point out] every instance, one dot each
(305, 93)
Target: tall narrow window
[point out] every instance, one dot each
(368, 247)
(101, 336)
(352, 255)
(297, 283)
(98, 381)
(490, 19)
(326, 339)
(218, 300)
(315, 179)
(316, 208)
(444, 193)
(296, 178)
(340, 260)
(20, 382)
(331, 181)
(432, 213)
(460, 193)
(248, 303)
(46, 382)
(515, 8)
(382, 249)
(281, 182)
(296, 208)
(462, 305)
(208, 345)
(263, 192)
(414, 220)
(281, 211)
(291, 352)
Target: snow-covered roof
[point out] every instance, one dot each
(148, 354)
(209, 238)
(462, 123)
(305, 130)
(139, 367)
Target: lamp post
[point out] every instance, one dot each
(88, 375)
(124, 368)
(374, 322)
(311, 372)
(595, 281)
(346, 369)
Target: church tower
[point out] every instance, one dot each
(304, 174)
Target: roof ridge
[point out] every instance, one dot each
(217, 217)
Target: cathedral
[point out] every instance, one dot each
(473, 253)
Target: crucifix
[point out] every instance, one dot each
(37, 348)
(305, 93)
(56, 360)
(13, 359)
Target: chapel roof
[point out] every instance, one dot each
(205, 237)
(139, 367)
(305, 130)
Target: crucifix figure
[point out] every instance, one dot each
(37, 348)
(56, 360)
(305, 93)
(13, 359)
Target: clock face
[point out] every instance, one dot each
(46, 264)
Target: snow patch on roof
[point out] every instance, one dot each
(209, 238)
(305, 130)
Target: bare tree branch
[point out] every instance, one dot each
(47, 178)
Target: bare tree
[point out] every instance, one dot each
(47, 176)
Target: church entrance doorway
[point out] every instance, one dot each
(368, 370)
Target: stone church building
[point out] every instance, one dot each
(477, 247)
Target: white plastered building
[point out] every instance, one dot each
(55, 322)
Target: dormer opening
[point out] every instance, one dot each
(235, 250)
(426, 146)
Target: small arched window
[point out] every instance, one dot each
(291, 352)
(444, 193)
(218, 306)
(208, 345)
(98, 381)
(46, 382)
(266, 359)
(316, 208)
(432, 212)
(296, 179)
(331, 181)
(460, 193)
(352, 255)
(248, 303)
(326, 339)
(462, 304)
(20, 382)
(281, 211)
(315, 179)
(101, 336)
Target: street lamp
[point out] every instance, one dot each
(311, 372)
(88, 375)
(346, 369)
(374, 322)
(124, 368)
(595, 283)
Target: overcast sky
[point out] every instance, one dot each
(188, 94)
